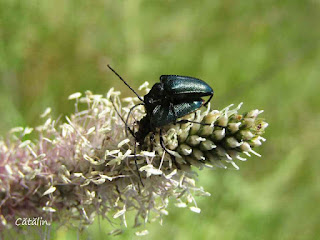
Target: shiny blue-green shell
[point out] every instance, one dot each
(163, 115)
(182, 85)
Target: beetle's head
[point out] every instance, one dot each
(154, 95)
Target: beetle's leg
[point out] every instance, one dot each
(203, 124)
(135, 142)
(189, 121)
(151, 140)
(206, 103)
(173, 158)
(131, 109)
(135, 162)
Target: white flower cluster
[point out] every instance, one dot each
(87, 166)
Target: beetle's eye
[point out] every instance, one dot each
(157, 88)
(147, 99)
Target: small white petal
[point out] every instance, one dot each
(148, 154)
(181, 205)
(48, 122)
(47, 139)
(142, 233)
(174, 153)
(50, 190)
(3, 220)
(104, 129)
(255, 153)
(150, 170)
(195, 209)
(106, 177)
(112, 152)
(123, 142)
(78, 174)
(170, 175)
(144, 85)
(75, 96)
(48, 209)
(128, 99)
(246, 153)
(119, 213)
(24, 144)
(16, 129)
(126, 154)
(228, 156)
(234, 165)
(262, 139)
(46, 112)
(164, 212)
(91, 130)
(98, 181)
(93, 161)
(97, 97)
(27, 131)
(241, 158)
(115, 232)
(239, 106)
(8, 169)
(32, 152)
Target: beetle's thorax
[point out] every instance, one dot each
(155, 96)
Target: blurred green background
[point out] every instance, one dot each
(264, 53)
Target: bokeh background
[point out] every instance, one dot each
(264, 53)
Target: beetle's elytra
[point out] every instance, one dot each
(174, 97)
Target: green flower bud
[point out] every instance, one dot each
(198, 154)
(234, 127)
(194, 140)
(246, 134)
(232, 142)
(207, 145)
(219, 134)
(245, 147)
(184, 149)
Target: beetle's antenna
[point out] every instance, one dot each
(125, 82)
(130, 114)
(127, 128)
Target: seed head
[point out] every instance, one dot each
(86, 165)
